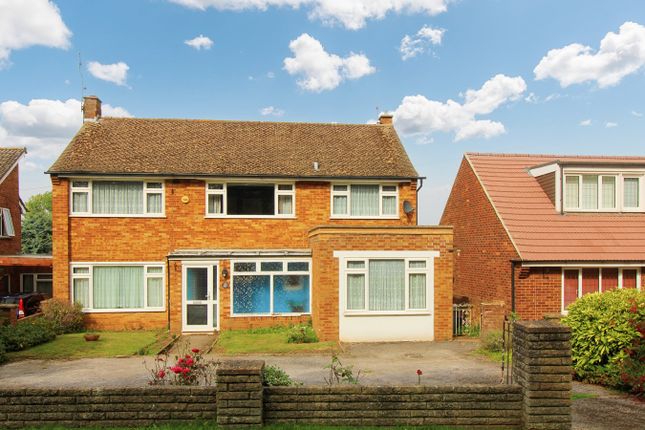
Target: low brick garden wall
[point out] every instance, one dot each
(119, 407)
(539, 399)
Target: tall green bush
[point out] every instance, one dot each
(63, 316)
(26, 334)
(602, 330)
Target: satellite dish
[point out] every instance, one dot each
(407, 207)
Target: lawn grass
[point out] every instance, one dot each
(110, 344)
(495, 356)
(580, 396)
(271, 340)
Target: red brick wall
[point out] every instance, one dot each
(10, 198)
(325, 270)
(483, 260)
(96, 239)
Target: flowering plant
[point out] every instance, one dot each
(189, 369)
(419, 373)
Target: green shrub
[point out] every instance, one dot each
(274, 376)
(603, 328)
(26, 334)
(3, 353)
(493, 341)
(302, 333)
(65, 317)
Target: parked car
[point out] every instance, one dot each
(30, 301)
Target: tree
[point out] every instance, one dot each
(37, 225)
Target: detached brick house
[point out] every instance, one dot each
(202, 225)
(538, 231)
(18, 272)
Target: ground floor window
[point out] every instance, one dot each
(265, 287)
(36, 283)
(118, 287)
(577, 282)
(386, 284)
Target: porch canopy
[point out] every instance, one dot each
(26, 260)
(181, 254)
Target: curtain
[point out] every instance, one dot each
(364, 200)
(340, 205)
(630, 199)
(79, 202)
(571, 192)
(215, 205)
(155, 292)
(387, 285)
(389, 205)
(115, 197)
(417, 293)
(153, 203)
(285, 205)
(608, 192)
(82, 292)
(118, 287)
(355, 292)
(590, 192)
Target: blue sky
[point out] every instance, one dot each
(347, 69)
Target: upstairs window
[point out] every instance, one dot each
(364, 201)
(117, 198)
(249, 200)
(602, 193)
(6, 223)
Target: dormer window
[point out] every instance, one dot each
(599, 192)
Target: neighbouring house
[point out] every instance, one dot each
(203, 225)
(18, 272)
(536, 232)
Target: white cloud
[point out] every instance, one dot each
(411, 46)
(200, 42)
(585, 123)
(611, 124)
(417, 115)
(321, 70)
(637, 114)
(44, 126)
(28, 23)
(116, 73)
(270, 75)
(620, 54)
(272, 111)
(351, 14)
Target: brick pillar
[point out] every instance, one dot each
(240, 393)
(542, 367)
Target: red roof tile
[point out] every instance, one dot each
(542, 234)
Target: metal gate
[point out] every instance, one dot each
(507, 352)
(461, 318)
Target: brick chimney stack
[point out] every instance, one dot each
(91, 108)
(385, 119)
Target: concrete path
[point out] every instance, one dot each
(608, 410)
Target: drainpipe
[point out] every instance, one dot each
(168, 291)
(512, 286)
(418, 188)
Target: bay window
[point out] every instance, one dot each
(271, 287)
(364, 201)
(250, 200)
(602, 192)
(118, 287)
(117, 198)
(386, 284)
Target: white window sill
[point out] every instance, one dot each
(291, 314)
(117, 216)
(250, 216)
(386, 313)
(364, 217)
(113, 311)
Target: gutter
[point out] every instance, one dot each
(513, 286)
(419, 189)
(209, 175)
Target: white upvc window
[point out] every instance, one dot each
(250, 200)
(6, 223)
(36, 283)
(386, 285)
(117, 198)
(269, 287)
(364, 200)
(603, 192)
(118, 287)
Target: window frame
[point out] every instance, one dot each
(344, 257)
(6, 233)
(36, 280)
(276, 193)
(88, 190)
(146, 275)
(619, 176)
(258, 272)
(347, 193)
(579, 269)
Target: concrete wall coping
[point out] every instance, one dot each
(541, 326)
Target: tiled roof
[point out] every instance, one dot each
(234, 148)
(8, 157)
(542, 234)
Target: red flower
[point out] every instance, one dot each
(195, 350)
(189, 362)
(161, 374)
(176, 369)
(187, 355)
(419, 372)
(185, 370)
